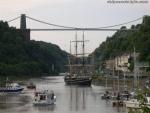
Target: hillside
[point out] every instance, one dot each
(124, 42)
(19, 57)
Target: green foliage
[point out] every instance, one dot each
(124, 42)
(144, 107)
(19, 57)
(131, 62)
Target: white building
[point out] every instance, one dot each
(119, 63)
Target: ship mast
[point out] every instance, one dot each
(83, 50)
(69, 58)
(76, 48)
(83, 54)
(79, 58)
(135, 70)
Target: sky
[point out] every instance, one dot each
(76, 13)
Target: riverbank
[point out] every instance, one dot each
(115, 83)
(21, 79)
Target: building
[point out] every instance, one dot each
(119, 63)
(110, 64)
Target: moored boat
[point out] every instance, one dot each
(134, 103)
(11, 88)
(80, 70)
(106, 95)
(82, 80)
(44, 98)
(31, 86)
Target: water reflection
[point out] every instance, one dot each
(45, 108)
(10, 101)
(78, 98)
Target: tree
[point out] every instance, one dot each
(144, 107)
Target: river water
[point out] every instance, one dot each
(70, 99)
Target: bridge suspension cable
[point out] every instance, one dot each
(122, 23)
(50, 23)
(70, 28)
(13, 19)
(90, 28)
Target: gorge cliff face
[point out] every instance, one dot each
(124, 41)
(19, 57)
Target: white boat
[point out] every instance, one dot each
(44, 98)
(134, 103)
(11, 88)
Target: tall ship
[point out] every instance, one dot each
(79, 68)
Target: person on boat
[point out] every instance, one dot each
(118, 97)
(107, 92)
(52, 95)
(107, 95)
(128, 95)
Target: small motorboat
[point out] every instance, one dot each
(11, 88)
(116, 100)
(44, 98)
(31, 86)
(106, 95)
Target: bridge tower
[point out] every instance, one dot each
(23, 29)
(23, 21)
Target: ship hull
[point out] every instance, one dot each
(78, 81)
(9, 90)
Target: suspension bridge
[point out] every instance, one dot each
(26, 32)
